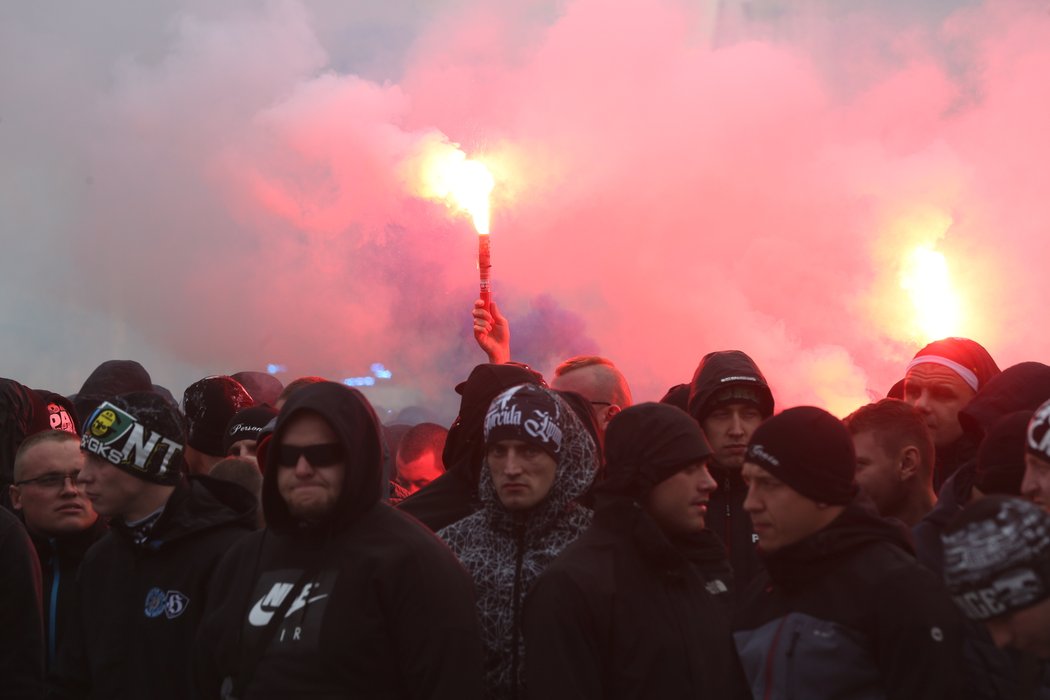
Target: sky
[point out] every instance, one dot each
(214, 187)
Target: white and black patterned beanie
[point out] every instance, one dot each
(997, 557)
(527, 413)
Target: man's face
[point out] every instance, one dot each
(779, 514)
(521, 472)
(417, 473)
(1035, 485)
(879, 472)
(311, 489)
(678, 504)
(1027, 630)
(728, 428)
(51, 502)
(245, 449)
(112, 491)
(939, 394)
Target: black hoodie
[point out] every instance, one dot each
(454, 495)
(627, 611)
(848, 613)
(22, 413)
(139, 605)
(726, 515)
(384, 609)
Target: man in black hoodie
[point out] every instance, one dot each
(630, 609)
(729, 397)
(454, 495)
(843, 610)
(142, 588)
(341, 595)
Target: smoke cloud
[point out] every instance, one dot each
(211, 190)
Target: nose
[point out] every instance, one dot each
(706, 483)
(303, 468)
(752, 504)
(69, 484)
(1000, 632)
(1029, 488)
(736, 425)
(513, 466)
(922, 401)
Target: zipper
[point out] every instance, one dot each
(771, 660)
(728, 535)
(52, 622)
(515, 636)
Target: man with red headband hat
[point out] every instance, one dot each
(940, 380)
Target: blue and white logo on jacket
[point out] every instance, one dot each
(171, 604)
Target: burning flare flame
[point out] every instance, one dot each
(926, 279)
(462, 183)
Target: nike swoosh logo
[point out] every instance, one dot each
(300, 603)
(260, 615)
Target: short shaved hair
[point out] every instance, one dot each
(896, 425)
(610, 381)
(37, 439)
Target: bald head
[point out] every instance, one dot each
(598, 381)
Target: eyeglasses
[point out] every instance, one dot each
(53, 480)
(317, 455)
(600, 403)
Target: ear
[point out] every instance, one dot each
(908, 462)
(610, 412)
(16, 497)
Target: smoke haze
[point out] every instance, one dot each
(208, 190)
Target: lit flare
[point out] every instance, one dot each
(926, 279)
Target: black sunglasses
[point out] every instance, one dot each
(317, 455)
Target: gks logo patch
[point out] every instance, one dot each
(171, 604)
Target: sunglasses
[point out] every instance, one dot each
(317, 455)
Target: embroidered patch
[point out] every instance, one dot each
(171, 604)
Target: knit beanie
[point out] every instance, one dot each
(1037, 440)
(247, 424)
(139, 433)
(810, 450)
(528, 413)
(963, 356)
(997, 557)
(648, 443)
(109, 379)
(209, 405)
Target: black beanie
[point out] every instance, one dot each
(1000, 458)
(809, 450)
(528, 413)
(648, 443)
(139, 433)
(997, 557)
(109, 379)
(247, 424)
(209, 405)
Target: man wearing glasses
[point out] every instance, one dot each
(59, 518)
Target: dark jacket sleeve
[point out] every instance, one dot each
(920, 635)
(562, 654)
(21, 619)
(437, 636)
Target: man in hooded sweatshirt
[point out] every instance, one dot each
(729, 397)
(842, 610)
(630, 609)
(539, 459)
(341, 595)
(454, 495)
(142, 588)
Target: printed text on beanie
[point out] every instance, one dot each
(117, 437)
(526, 413)
(1038, 441)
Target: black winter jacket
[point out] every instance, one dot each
(623, 613)
(848, 613)
(21, 628)
(382, 609)
(60, 559)
(139, 606)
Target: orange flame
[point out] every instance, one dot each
(463, 184)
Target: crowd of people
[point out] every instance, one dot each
(558, 540)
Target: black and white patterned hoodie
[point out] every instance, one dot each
(506, 551)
